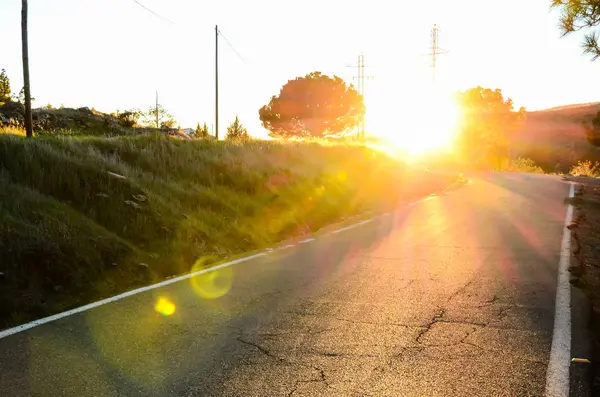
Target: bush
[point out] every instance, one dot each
(525, 165)
(129, 118)
(586, 168)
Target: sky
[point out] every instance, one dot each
(113, 54)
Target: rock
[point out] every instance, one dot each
(103, 195)
(140, 197)
(86, 111)
(572, 226)
(58, 288)
(131, 203)
(145, 265)
(114, 264)
(2, 275)
(116, 175)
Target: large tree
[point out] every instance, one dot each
(315, 105)
(487, 126)
(577, 15)
(4, 87)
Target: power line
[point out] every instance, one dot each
(154, 13)
(234, 50)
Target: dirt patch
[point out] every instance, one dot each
(585, 270)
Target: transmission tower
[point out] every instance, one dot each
(360, 78)
(436, 51)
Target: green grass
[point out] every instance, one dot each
(79, 214)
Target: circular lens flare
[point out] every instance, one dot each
(214, 283)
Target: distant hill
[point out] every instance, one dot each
(82, 121)
(557, 135)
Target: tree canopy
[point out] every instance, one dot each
(577, 15)
(487, 126)
(236, 131)
(4, 87)
(315, 105)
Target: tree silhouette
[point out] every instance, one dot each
(236, 131)
(158, 116)
(488, 125)
(4, 87)
(315, 105)
(201, 131)
(579, 15)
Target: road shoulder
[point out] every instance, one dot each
(585, 285)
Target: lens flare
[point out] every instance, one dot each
(164, 306)
(213, 284)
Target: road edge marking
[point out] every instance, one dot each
(557, 373)
(58, 316)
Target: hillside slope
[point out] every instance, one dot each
(86, 218)
(557, 135)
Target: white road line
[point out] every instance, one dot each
(308, 240)
(45, 320)
(557, 374)
(286, 247)
(352, 226)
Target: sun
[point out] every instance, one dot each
(427, 124)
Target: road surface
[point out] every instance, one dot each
(452, 296)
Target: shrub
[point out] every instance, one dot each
(586, 168)
(525, 165)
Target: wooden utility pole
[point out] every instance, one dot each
(216, 82)
(26, 87)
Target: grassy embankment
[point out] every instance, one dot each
(86, 218)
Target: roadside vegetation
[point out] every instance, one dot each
(586, 168)
(86, 217)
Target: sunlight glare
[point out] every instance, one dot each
(427, 125)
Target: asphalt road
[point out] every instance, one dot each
(453, 296)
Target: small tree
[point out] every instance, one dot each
(201, 131)
(236, 131)
(4, 87)
(159, 116)
(21, 97)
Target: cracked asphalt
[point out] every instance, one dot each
(453, 296)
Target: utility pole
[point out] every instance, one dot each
(26, 86)
(217, 82)
(435, 50)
